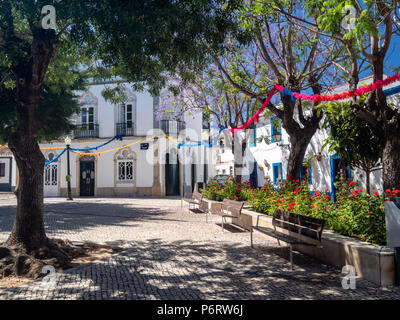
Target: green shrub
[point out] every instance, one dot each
(355, 213)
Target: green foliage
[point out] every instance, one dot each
(146, 41)
(57, 103)
(352, 138)
(141, 41)
(355, 213)
(230, 190)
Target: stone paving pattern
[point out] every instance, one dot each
(173, 254)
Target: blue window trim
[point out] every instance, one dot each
(273, 129)
(274, 175)
(309, 173)
(333, 190)
(254, 175)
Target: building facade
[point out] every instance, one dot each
(150, 165)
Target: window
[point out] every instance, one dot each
(2, 169)
(87, 118)
(231, 171)
(277, 172)
(253, 137)
(126, 115)
(50, 175)
(125, 165)
(275, 127)
(305, 173)
(125, 170)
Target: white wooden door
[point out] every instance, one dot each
(51, 180)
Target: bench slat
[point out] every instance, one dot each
(277, 235)
(307, 226)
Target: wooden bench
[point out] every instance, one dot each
(302, 226)
(195, 200)
(228, 209)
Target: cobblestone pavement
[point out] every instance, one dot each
(173, 254)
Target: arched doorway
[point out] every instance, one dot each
(86, 176)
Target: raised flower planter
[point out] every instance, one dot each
(371, 262)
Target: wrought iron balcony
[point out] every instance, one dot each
(126, 129)
(172, 126)
(89, 130)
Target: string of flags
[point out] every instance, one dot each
(379, 84)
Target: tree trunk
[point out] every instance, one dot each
(367, 181)
(391, 162)
(28, 230)
(237, 158)
(299, 143)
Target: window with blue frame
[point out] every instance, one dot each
(277, 172)
(275, 127)
(306, 173)
(253, 137)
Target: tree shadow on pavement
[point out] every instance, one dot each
(187, 270)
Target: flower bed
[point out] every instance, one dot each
(355, 213)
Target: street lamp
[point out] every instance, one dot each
(67, 141)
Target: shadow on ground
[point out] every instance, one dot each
(84, 214)
(186, 270)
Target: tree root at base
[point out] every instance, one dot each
(15, 260)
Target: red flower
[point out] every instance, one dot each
(327, 197)
(352, 182)
(304, 182)
(376, 194)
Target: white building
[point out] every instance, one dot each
(151, 166)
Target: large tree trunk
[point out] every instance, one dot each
(299, 143)
(27, 249)
(391, 162)
(28, 230)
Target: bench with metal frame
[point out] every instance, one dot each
(195, 200)
(302, 226)
(228, 209)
